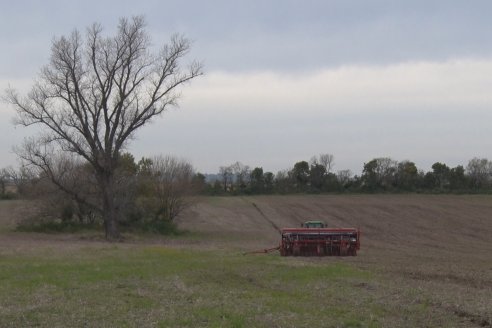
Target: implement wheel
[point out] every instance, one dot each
(297, 250)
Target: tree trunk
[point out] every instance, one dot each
(110, 209)
(111, 227)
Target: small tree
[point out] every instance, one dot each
(4, 178)
(479, 171)
(328, 161)
(344, 177)
(300, 172)
(199, 183)
(284, 181)
(166, 185)
(406, 176)
(226, 174)
(379, 173)
(269, 180)
(441, 175)
(257, 180)
(94, 95)
(457, 178)
(242, 174)
(23, 179)
(317, 175)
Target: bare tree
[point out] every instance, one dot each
(313, 161)
(242, 174)
(328, 161)
(325, 160)
(344, 177)
(226, 173)
(95, 94)
(480, 172)
(22, 178)
(169, 180)
(4, 179)
(49, 189)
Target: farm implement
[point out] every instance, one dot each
(315, 239)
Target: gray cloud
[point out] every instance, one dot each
(425, 112)
(257, 35)
(289, 79)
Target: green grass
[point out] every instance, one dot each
(58, 226)
(8, 196)
(163, 287)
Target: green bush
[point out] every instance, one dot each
(67, 213)
(8, 196)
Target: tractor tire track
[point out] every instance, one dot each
(266, 217)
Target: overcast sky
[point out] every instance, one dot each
(285, 80)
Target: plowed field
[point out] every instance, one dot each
(440, 244)
(429, 252)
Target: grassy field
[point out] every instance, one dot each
(113, 286)
(201, 279)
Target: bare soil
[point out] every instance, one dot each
(438, 245)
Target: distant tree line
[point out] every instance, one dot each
(152, 192)
(379, 175)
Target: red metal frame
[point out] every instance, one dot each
(320, 241)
